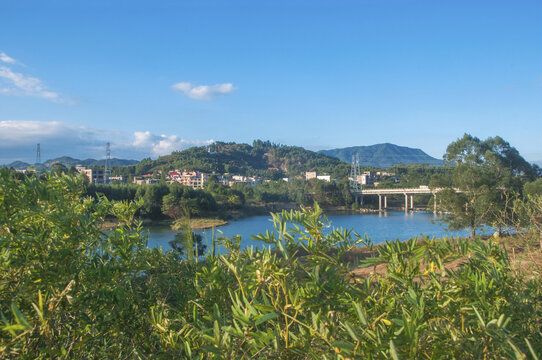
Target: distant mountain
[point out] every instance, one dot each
(383, 155)
(539, 163)
(19, 165)
(68, 162)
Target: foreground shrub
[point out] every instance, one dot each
(69, 290)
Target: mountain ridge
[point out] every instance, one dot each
(69, 161)
(383, 155)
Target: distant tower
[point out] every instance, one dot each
(355, 185)
(107, 170)
(38, 155)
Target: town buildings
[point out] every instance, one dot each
(314, 175)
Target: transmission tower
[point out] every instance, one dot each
(107, 170)
(355, 185)
(38, 155)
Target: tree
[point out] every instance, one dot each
(59, 168)
(533, 188)
(484, 173)
(185, 240)
(152, 199)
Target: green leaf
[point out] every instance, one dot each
(393, 351)
(266, 317)
(351, 331)
(533, 353)
(19, 317)
(361, 313)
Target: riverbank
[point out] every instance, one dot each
(524, 252)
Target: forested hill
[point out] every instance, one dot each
(383, 155)
(260, 158)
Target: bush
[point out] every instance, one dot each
(69, 290)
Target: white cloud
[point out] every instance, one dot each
(16, 83)
(20, 84)
(5, 58)
(164, 144)
(19, 132)
(203, 92)
(18, 141)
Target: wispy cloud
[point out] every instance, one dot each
(16, 83)
(18, 141)
(203, 92)
(5, 58)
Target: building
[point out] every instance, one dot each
(314, 175)
(118, 179)
(239, 179)
(145, 179)
(193, 179)
(95, 176)
(324, 177)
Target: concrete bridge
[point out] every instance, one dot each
(407, 192)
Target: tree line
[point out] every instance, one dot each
(162, 200)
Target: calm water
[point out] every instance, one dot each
(379, 227)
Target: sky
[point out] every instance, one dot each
(152, 77)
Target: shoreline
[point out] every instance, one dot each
(222, 219)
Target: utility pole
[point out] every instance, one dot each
(355, 185)
(107, 170)
(38, 155)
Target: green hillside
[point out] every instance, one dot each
(260, 158)
(383, 155)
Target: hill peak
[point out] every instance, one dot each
(383, 155)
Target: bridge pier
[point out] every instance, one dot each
(358, 199)
(406, 192)
(380, 203)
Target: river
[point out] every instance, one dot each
(379, 227)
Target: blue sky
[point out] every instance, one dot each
(155, 76)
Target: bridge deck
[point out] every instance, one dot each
(400, 191)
